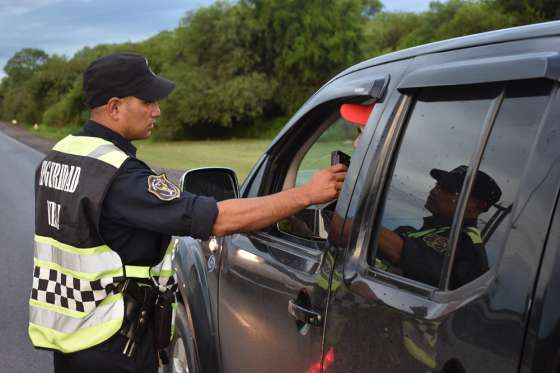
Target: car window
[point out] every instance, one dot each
(339, 135)
(440, 137)
(334, 133)
(504, 160)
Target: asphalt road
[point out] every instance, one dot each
(17, 166)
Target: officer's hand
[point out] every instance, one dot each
(325, 184)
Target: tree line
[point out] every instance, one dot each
(243, 67)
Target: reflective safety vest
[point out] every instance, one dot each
(74, 302)
(472, 232)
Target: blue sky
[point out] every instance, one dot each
(65, 26)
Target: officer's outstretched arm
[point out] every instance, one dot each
(251, 214)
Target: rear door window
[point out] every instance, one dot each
(441, 138)
(506, 155)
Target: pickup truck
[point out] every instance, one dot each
(475, 291)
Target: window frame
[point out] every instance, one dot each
(294, 165)
(272, 168)
(372, 212)
(287, 174)
(394, 137)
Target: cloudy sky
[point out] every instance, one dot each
(65, 26)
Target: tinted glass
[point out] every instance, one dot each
(213, 183)
(441, 135)
(504, 161)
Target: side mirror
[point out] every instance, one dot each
(218, 182)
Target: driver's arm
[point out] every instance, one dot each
(390, 245)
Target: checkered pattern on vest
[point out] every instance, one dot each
(54, 287)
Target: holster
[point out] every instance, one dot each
(163, 312)
(144, 304)
(139, 301)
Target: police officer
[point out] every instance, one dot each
(104, 221)
(420, 253)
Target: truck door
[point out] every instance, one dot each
(541, 349)
(449, 222)
(273, 285)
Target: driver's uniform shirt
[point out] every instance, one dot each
(138, 225)
(425, 249)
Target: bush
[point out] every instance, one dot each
(242, 67)
(68, 111)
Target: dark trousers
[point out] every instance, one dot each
(108, 358)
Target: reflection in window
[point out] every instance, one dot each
(506, 155)
(442, 134)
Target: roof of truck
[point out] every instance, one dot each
(538, 30)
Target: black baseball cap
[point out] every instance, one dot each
(121, 75)
(485, 188)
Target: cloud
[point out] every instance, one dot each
(65, 26)
(11, 8)
(406, 5)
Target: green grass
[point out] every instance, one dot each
(319, 156)
(52, 133)
(238, 154)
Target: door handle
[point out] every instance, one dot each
(303, 314)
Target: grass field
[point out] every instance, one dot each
(238, 154)
(52, 133)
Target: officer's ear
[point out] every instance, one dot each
(477, 206)
(113, 107)
(474, 206)
(484, 206)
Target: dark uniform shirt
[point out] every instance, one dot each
(423, 255)
(138, 225)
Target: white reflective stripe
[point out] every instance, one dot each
(165, 265)
(93, 147)
(102, 150)
(109, 153)
(163, 273)
(102, 262)
(68, 324)
(79, 145)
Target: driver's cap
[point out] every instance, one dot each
(356, 113)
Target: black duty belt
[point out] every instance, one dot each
(145, 303)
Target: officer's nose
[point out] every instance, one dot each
(156, 112)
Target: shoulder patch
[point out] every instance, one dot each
(436, 242)
(162, 188)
